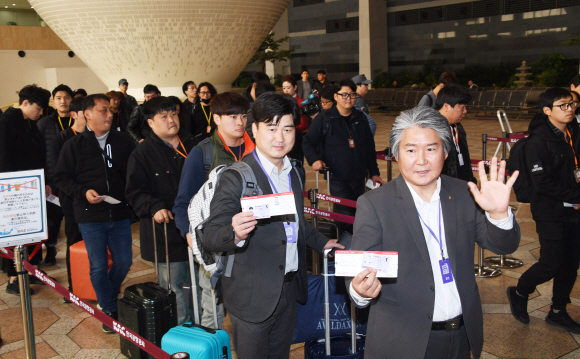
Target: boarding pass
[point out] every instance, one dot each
(351, 263)
(270, 205)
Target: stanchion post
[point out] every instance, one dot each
(25, 305)
(482, 271)
(503, 261)
(388, 152)
(313, 197)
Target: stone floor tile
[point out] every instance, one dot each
(11, 323)
(506, 338)
(141, 273)
(494, 289)
(63, 326)
(62, 344)
(96, 354)
(486, 355)
(43, 351)
(89, 335)
(68, 311)
(139, 266)
(572, 355)
(7, 348)
(496, 308)
(529, 229)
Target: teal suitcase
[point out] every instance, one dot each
(196, 340)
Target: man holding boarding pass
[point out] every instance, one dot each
(433, 222)
(269, 271)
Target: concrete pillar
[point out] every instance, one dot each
(373, 44)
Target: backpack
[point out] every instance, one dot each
(199, 212)
(207, 149)
(523, 187)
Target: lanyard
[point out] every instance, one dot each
(61, 126)
(572, 145)
(239, 158)
(182, 146)
(455, 137)
(267, 175)
(440, 239)
(208, 118)
(74, 131)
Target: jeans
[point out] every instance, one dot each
(179, 273)
(206, 302)
(116, 236)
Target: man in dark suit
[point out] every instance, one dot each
(304, 85)
(433, 222)
(269, 270)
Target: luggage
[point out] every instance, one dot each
(194, 339)
(80, 271)
(345, 347)
(148, 309)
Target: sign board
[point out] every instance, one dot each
(22, 208)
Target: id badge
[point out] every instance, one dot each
(290, 232)
(351, 142)
(577, 175)
(208, 129)
(460, 157)
(119, 129)
(446, 271)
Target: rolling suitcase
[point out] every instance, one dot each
(344, 347)
(80, 271)
(148, 309)
(196, 340)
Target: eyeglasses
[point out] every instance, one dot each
(347, 95)
(324, 103)
(567, 106)
(204, 93)
(192, 88)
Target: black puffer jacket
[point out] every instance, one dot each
(153, 176)
(345, 163)
(21, 144)
(550, 160)
(49, 128)
(138, 127)
(81, 166)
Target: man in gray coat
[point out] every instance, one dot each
(432, 309)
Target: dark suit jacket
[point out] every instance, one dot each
(300, 88)
(386, 220)
(451, 167)
(253, 290)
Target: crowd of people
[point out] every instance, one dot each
(152, 159)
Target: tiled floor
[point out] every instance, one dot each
(65, 331)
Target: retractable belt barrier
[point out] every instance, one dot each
(382, 156)
(128, 334)
(337, 200)
(330, 215)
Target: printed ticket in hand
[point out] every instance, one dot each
(351, 263)
(269, 205)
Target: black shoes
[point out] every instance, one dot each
(14, 288)
(50, 258)
(115, 316)
(562, 319)
(518, 305)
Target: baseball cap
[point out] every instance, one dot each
(361, 79)
(123, 81)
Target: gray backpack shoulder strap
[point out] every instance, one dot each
(207, 149)
(249, 181)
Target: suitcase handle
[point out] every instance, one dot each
(192, 325)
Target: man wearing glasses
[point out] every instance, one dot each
(341, 139)
(552, 157)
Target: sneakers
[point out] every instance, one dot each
(562, 319)
(14, 288)
(50, 258)
(518, 305)
(115, 316)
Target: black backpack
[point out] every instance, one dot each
(523, 187)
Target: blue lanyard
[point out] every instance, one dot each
(440, 239)
(267, 175)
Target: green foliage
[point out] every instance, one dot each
(269, 50)
(243, 80)
(12, 23)
(573, 41)
(553, 70)
(278, 80)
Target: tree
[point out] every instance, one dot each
(269, 50)
(573, 41)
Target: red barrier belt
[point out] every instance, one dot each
(128, 334)
(337, 200)
(512, 139)
(381, 156)
(520, 133)
(4, 252)
(330, 215)
(486, 162)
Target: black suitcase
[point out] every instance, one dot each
(148, 309)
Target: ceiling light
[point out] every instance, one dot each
(13, 4)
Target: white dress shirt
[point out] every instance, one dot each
(282, 184)
(447, 301)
